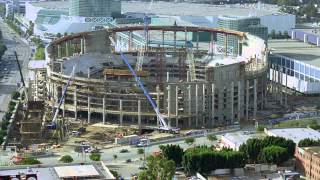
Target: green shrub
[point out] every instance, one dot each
(30, 161)
(308, 142)
(189, 140)
(140, 151)
(172, 152)
(95, 156)
(124, 150)
(128, 161)
(260, 128)
(66, 159)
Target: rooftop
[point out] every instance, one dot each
(188, 9)
(240, 137)
(76, 171)
(297, 50)
(58, 5)
(313, 31)
(295, 134)
(314, 149)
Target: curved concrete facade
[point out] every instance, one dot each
(227, 88)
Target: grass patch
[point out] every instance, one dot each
(301, 123)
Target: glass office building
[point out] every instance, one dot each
(295, 74)
(95, 8)
(245, 24)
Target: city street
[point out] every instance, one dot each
(9, 72)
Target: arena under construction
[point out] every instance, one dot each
(195, 83)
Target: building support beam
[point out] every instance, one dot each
(104, 110)
(121, 113)
(89, 109)
(82, 45)
(255, 99)
(212, 104)
(232, 102)
(189, 105)
(247, 99)
(59, 51)
(197, 105)
(75, 105)
(177, 106)
(169, 105)
(239, 101)
(67, 49)
(158, 102)
(203, 105)
(139, 115)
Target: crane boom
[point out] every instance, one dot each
(146, 93)
(54, 119)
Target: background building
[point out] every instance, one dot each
(245, 24)
(295, 65)
(95, 8)
(308, 162)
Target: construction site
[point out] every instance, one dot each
(164, 78)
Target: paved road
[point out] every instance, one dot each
(9, 73)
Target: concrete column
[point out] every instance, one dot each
(175, 43)
(255, 99)
(67, 49)
(82, 46)
(318, 41)
(239, 101)
(293, 34)
(203, 104)
(168, 76)
(226, 44)
(197, 105)
(158, 102)
(130, 41)
(89, 72)
(89, 109)
(305, 38)
(286, 93)
(189, 105)
(247, 99)
(121, 113)
(59, 51)
(63, 103)
(75, 105)
(139, 114)
(197, 45)
(188, 76)
(232, 102)
(169, 105)
(103, 110)
(177, 106)
(212, 104)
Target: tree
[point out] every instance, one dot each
(172, 152)
(158, 167)
(189, 140)
(252, 149)
(95, 156)
(140, 151)
(66, 159)
(274, 154)
(307, 142)
(40, 54)
(204, 159)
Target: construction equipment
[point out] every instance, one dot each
(140, 58)
(22, 79)
(191, 61)
(163, 125)
(53, 124)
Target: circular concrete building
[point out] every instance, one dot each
(194, 82)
